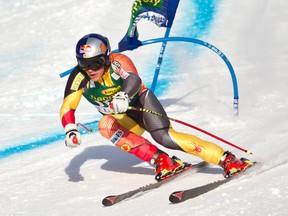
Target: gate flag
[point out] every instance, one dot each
(160, 12)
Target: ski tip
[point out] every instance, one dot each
(176, 197)
(109, 200)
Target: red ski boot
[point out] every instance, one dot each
(232, 165)
(166, 166)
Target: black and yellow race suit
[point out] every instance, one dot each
(125, 130)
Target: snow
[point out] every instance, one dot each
(38, 40)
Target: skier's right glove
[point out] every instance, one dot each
(73, 137)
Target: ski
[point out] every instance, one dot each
(183, 195)
(113, 199)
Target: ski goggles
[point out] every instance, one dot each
(94, 63)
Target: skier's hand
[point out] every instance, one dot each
(120, 103)
(73, 137)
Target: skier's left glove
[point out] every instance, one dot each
(120, 103)
(73, 137)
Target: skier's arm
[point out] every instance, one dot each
(123, 65)
(73, 93)
(132, 83)
(70, 104)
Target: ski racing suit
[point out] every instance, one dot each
(125, 130)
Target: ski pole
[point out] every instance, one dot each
(74, 138)
(189, 125)
(86, 128)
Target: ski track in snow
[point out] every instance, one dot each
(38, 43)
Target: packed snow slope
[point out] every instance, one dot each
(38, 40)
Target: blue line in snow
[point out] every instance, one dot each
(201, 24)
(45, 140)
(30, 145)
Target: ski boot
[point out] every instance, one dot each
(233, 166)
(167, 167)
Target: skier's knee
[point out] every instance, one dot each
(107, 126)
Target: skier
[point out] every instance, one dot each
(111, 83)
